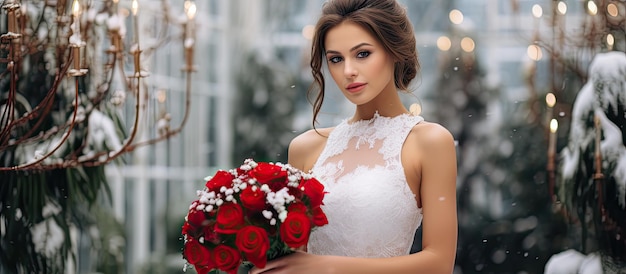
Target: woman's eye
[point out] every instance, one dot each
(362, 54)
(334, 59)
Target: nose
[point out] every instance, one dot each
(349, 69)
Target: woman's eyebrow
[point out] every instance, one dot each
(352, 49)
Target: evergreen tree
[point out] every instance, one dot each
(503, 201)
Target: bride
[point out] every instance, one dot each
(386, 170)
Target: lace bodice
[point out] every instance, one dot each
(370, 208)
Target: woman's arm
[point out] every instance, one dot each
(438, 197)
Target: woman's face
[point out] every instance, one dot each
(358, 63)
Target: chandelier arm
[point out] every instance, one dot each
(44, 107)
(9, 110)
(127, 145)
(61, 142)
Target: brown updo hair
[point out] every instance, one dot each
(386, 20)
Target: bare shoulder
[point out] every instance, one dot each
(430, 135)
(305, 148)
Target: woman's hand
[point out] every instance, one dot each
(298, 262)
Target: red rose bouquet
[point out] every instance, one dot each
(255, 213)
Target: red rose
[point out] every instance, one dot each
(229, 218)
(272, 175)
(319, 217)
(197, 254)
(297, 207)
(295, 230)
(210, 235)
(220, 179)
(253, 199)
(202, 269)
(196, 217)
(296, 192)
(227, 258)
(189, 230)
(185, 229)
(254, 243)
(315, 191)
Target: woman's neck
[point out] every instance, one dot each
(390, 107)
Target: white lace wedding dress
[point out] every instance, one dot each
(370, 208)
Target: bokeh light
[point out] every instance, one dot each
(467, 44)
(456, 16)
(444, 43)
(612, 9)
(534, 52)
(592, 8)
(562, 7)
(308, 31)
(550, 99)
(537, 11)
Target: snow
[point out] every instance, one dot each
(620, 178)
(48, 237)
(102, 132)
(605, 88)
(573, 262)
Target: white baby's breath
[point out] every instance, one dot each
(267, 214)
(273, 221)
(265, 188)
(282, 216)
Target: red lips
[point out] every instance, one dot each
(355, 87)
